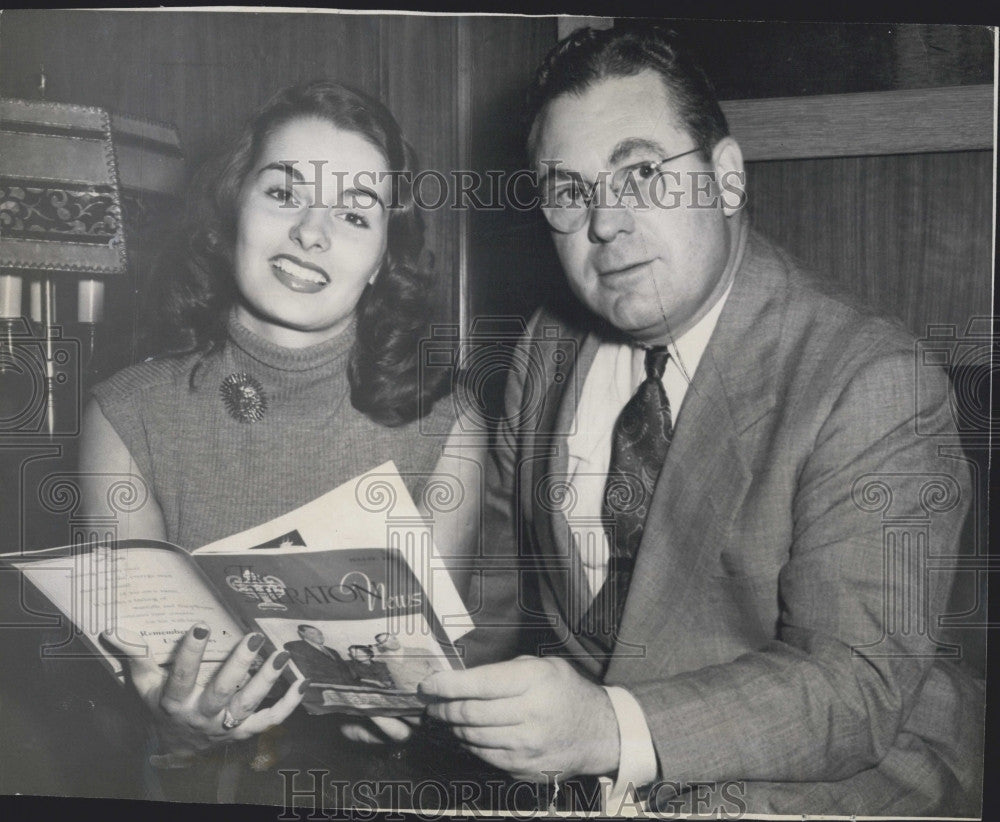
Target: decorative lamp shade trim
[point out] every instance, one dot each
(60, 206)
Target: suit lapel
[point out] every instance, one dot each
(706, 473)
(549, 472)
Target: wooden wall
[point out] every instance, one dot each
(511, 263)
(748, 60)
(911, 234)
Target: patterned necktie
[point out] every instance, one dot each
(638, 447)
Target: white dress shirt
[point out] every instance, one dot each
(614, 376)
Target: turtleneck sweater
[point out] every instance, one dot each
(214, 474)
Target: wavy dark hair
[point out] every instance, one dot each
(588, 55)
(393, 314)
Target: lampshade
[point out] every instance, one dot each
(150, 175)
(60, 206)
(74, 181)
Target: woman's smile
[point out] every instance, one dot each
(299, 275)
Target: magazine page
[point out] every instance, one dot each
(357, 623)
(142, 592)
(372, 510)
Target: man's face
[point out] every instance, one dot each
(313, 635)
(651, 271)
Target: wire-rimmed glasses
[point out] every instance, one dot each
(566, 199)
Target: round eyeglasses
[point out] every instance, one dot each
(566, 199)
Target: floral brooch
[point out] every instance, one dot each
(243, 397)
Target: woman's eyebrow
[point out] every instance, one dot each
(289, 168)
(285, 167)
(367, 192)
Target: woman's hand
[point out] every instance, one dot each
(191, 718)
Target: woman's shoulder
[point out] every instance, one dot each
(414, 446)
(158, 375)
(441, 416)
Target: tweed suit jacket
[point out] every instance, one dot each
(332, 668)
(779, 631)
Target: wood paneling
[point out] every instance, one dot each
(205, 72)
(419, 65)
(749, 60)
(909, 233)
(510, 262)
(953, 118)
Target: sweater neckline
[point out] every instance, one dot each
(290, 359)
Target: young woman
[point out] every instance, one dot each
(298, 306)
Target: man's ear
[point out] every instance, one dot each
(727, 160)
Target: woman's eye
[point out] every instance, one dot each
(283, 195)
(355, 219)
(645, 170)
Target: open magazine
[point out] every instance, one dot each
(349, 585)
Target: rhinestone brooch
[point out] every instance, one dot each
(244, 397)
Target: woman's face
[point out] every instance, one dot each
(304, 252)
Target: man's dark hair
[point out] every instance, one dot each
(590, 55)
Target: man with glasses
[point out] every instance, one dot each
(740, 620)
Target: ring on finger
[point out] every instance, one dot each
(229, 721)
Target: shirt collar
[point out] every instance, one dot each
(617, 370)
(688, 348)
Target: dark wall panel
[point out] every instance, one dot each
(908, 233)
(418, 62)
(511, 263)
(203, 72)
(747, 60)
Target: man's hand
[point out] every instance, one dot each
(528, 716)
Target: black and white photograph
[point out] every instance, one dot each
(662, 348)
(362, 658)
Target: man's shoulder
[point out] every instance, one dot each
(815, 340)
(816, 310)
(568, 321)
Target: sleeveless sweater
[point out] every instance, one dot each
(214, 475)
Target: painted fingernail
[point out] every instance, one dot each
(199, 632)
(255, 642)
(280, 660)
(304, 686)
